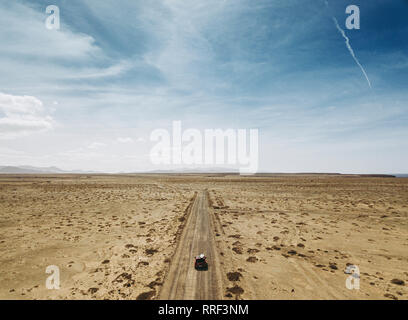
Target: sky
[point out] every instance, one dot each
(88, 96)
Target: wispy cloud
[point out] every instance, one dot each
(122, 71)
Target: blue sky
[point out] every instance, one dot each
(88, 95)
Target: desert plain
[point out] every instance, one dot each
(266, 237)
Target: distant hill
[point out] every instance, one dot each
(378, 175)
(43, 169)
(36, 170)
(214, 170)
(10, 169)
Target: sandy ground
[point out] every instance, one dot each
(293, 237)
(281, 237)
(112, 238)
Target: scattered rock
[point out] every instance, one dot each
(237, 290)
(153, 284)
(93, 290)
(391, 296)
(252, 259)
(333, 266)
(237, 250)
(125, 279)
(146, 295)
(234, 276)
(398, 282)
(151, 252)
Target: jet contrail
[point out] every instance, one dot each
(351, 50)
(336, 23)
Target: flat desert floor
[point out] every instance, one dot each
(266, 237)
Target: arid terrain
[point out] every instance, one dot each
(266, 237)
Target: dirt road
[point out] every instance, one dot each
(183, 282)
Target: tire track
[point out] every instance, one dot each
(183, 282)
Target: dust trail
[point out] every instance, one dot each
(350, 49)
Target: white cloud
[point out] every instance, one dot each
(22, 115)
(10, 104)
(96, 145)
(202, 62)
(125, 140)
(4, 151)
(129, 140)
